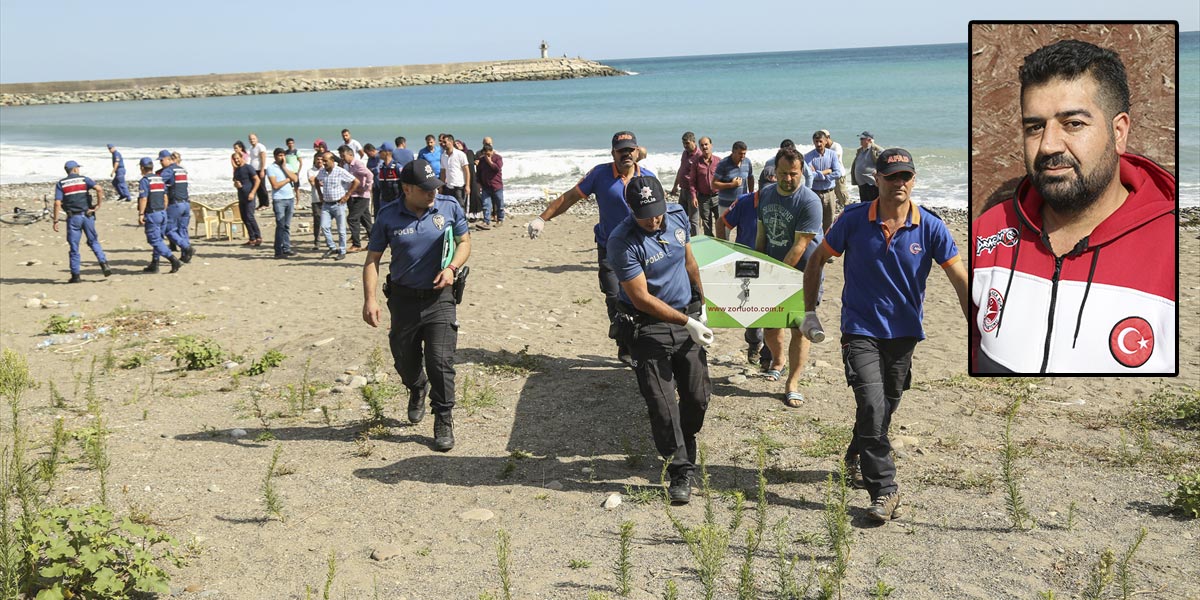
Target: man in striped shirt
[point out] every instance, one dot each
(335, 185)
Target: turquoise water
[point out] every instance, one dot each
(551, 132)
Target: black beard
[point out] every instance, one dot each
(1071, 197)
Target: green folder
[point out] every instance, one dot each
(448, 247)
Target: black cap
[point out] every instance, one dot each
(894, 160)
(419, 173)
(645, 197)
(624, 139)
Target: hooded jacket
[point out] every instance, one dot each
(1107, 306)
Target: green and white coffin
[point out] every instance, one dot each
(746, 289)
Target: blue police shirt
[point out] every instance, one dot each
(71, 191)
(725, 172)
(782, 217)
(660, 256)
(118, 162)
(606, 183)
(176, 179)
(416, 242)
(151, 188)
(742, 217)
(884, 293)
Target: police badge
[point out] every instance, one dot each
(439, 221)
(681, 236)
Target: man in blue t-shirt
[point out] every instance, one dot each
(279, 180)
(419, 291)
(733, 177)
(827, 169)
(888, 248)
(660, 300)
(789, 229)
(432, 153)
(607, 181)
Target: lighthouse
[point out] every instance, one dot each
(545, 48)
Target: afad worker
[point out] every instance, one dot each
(419, 292)
(71, 196)
(651, 254)
(889, 246)
(152, 214)
(607, 181)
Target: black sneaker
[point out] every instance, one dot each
(416, 404)
(340, 256)
(153, 266)
(328, 253)
(443, 432)
(680, 490)
(104, 269)
(289, 253)
(176, 264)
(75, 278)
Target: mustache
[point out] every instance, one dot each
(1053, 161)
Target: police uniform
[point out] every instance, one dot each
(119, 175)
(154, 216)
(387, 181)
(179, 210)
(72, 194)
(666, 357)
(424, 329)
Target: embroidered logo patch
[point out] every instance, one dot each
(439, 221)
(1131, 341)
(1006, 237)
(681, 235)
(991, 315)
(915, 248)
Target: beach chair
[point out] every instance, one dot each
(228, 218)
(204, 216)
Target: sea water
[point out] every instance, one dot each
(551, 132)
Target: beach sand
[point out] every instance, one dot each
(554, 425)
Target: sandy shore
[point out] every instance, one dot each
(549, 425)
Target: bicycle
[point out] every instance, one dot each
(20, 216)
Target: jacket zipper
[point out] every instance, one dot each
(1058, 262)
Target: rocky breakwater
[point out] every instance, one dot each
(290, 82)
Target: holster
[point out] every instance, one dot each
(387, 287)
(460, 283)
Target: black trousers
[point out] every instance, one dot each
(879, 370)
(610, 286)
(264, 200)
(358, 217)
(667, 361)
(459, 194)
(425, 334)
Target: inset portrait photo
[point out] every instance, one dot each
(1074, 237)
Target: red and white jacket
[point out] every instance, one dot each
(1107, 306)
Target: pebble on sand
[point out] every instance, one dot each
(612, 501)
(478, 514)
(385, 551)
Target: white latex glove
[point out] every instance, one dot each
(700, 332)
(704, 314)
(535, 227)
(811, 328)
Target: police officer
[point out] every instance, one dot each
(660, 301)
(419, 292)
(71, 196)
(607, 181)
(387, 178)
(118, 174)
(152, 214)
(179, 210)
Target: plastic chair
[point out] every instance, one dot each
(228, 218)
(204, 216)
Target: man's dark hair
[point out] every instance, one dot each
(787, 143)
(292, 140)
(400, 141)
(689, 136)
(1070, 60)
(448, 137)
(345, 131)
(344, 148)
(429, 137)
(279, 151)
(739, 145)
(368, 147)
(819, 135)
(788, 153)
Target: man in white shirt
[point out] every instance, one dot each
(353, 143)
(455, 171)
(259, 162)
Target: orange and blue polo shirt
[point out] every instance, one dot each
(886, 271)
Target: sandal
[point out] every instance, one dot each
(793, 399)
(773, 374)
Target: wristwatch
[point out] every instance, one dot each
(452, 268)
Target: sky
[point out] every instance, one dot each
(55, 40)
